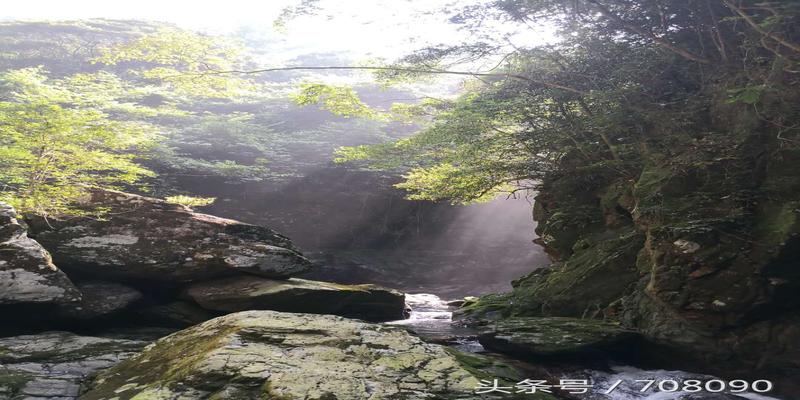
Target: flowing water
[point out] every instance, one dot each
(431, 319)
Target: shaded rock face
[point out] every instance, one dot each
(265, 354)
(176, 314)
(699, 254)
(149, 239)
(550, 336)
(100, 299)
(368, 302)
(52, 365)
(27, 274)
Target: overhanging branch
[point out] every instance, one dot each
(551, 85)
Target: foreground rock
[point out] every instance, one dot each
(368, 302)
(27, 274)
(53, 365)
(555, 336)
(265, 354)
(150, 239)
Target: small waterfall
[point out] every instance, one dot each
(432, 320)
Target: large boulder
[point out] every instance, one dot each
(555, 336)
(53, 365)
(267, 354)
(149, 239)
(368, 302)
(27, 274)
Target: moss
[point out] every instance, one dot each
(777, 222)
(599, 273)
(269, 354)
(553, 335)
(491, 306)
(488, 368)
(11, 382)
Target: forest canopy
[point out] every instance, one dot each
(627, 84)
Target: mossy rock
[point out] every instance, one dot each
(532, 336)
(267, 354)
(599, 273)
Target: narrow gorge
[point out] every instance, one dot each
(328, 200)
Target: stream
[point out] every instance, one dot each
(431, 319)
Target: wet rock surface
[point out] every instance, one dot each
(150, 239)
(27, 274)
(368, 302)
(52, 365)
(266, 354)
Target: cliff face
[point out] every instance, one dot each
(698, 252)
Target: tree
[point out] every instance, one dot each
(51, 152)
(60, 137)
(630, 83)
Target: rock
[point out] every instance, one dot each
(673, 253)
(149, 239)
(100, 299)
(554, 336)
(179, 314)
(462, 302)
(368, 302)
(53, 365)
(267, 354)
(598, 273)
(27, 274)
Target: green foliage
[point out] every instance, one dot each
(624, 88)
(63, 133)
(187, 63)
(340, 100)
(190, 201)
(52, 151)
(748, 95)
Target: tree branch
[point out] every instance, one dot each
(401, 69)
(650, 35)
(758, 28)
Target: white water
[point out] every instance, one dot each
(432, 319)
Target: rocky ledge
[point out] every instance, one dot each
(369, 302)
(53, 365)
(149, 239)
(555, 336)
(148, 260)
